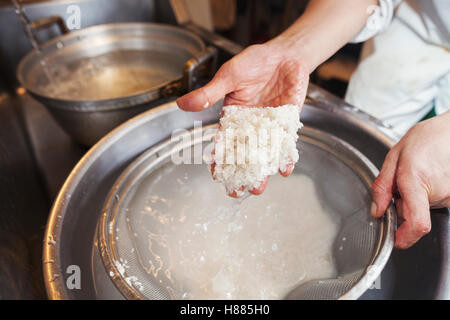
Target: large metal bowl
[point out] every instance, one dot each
(167, 58)
(70, 235)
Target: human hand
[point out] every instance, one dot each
(418, 169)
(260, 76)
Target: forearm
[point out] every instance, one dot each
(324, 28)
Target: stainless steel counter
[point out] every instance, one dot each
(24, 207)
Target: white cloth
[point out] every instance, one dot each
(405, 70)
(379, 20)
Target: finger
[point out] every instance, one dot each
(288, 171)
(415, 210)
(257, 191)
(234, 195)
(206, 96)
(237, 194)
(399, 208)
(211, 168)
(383, 186)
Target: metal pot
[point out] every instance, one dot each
(70, 236)
(93, 79)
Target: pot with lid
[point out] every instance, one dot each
(93, 79)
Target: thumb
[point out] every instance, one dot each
(382, 187)
(206, 96)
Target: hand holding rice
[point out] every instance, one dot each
(254, 143)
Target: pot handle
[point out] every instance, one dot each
(204, 65)
(48, 22)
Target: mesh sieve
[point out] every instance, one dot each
(342, 178)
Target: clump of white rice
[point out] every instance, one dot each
(253, 143)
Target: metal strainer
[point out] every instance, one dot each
(342, 178)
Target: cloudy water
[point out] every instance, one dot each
(200, 244)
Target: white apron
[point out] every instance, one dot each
(405, 69)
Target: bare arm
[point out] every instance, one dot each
(325, 27)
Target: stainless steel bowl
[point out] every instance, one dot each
(95, 78)
(70, 235)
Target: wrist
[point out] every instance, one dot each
(295, 47)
